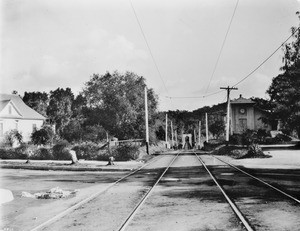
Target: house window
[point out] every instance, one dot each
(1, 129)
(33, 127)
(16, 124)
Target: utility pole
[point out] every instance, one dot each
(176, 141)
(195, 140)
(228, 109)
(166, 130)
(172, 135)
(199, 134)
(206, 123)
(146, 121)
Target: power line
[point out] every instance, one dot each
(144, 36)
(194, 97)
(297, 30)
(227, 32)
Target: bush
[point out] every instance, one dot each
(246, 138)
(233, 151)
(87, 151)
(14, 153)
(125, 153)
(42, 154)
(43, 136)
(59, 150)
(13, 137)
(210, 145)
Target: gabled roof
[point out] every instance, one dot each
(3, 104)
(25, 111)
(242, 100)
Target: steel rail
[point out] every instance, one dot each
(231, 203)
(136, 208)
(262, 181)
(86, 200)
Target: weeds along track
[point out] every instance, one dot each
(55, 222)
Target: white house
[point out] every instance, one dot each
(15, 114)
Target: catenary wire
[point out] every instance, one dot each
(243, 79)
(219, 56)
(262, 63)
(148, 46)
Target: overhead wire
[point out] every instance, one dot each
(247, 76)
(148, 46)
(262, 63)
(223, 44)
(194, 97)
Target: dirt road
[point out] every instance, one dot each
(186, 198)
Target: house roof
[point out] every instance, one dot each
(242, 100)
(3, 104)
(25, 111)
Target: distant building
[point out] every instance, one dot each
(15, 114)
(245, 115)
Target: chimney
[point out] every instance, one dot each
(241, 96)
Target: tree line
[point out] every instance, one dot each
(109, 105)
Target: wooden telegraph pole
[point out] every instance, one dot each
(206, 129)
(199, 134)
(146, 121)
(172, 135)
(228, 109)
(166, 130)
(176, 141)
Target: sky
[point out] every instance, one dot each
(46, 44)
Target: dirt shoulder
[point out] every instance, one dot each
(280, 159)
(82, 165)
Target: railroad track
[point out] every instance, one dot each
(239, 211)
(245, 212)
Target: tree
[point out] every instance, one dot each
(43, 136)
(37, 101)
(60, 108)
(217, 128)
(116, 102)
(284, 90)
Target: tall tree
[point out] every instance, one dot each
(60, 107)
(37, 101)
(116, 102)
(285, 88)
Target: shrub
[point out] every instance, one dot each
(7, 153)
(13, 153)
(13, 137)
(43, 136)
(59, 150)
(125, 153)
(42, 154)
(22, 151)
(210, 146)
(246, 138)
(88, 151)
